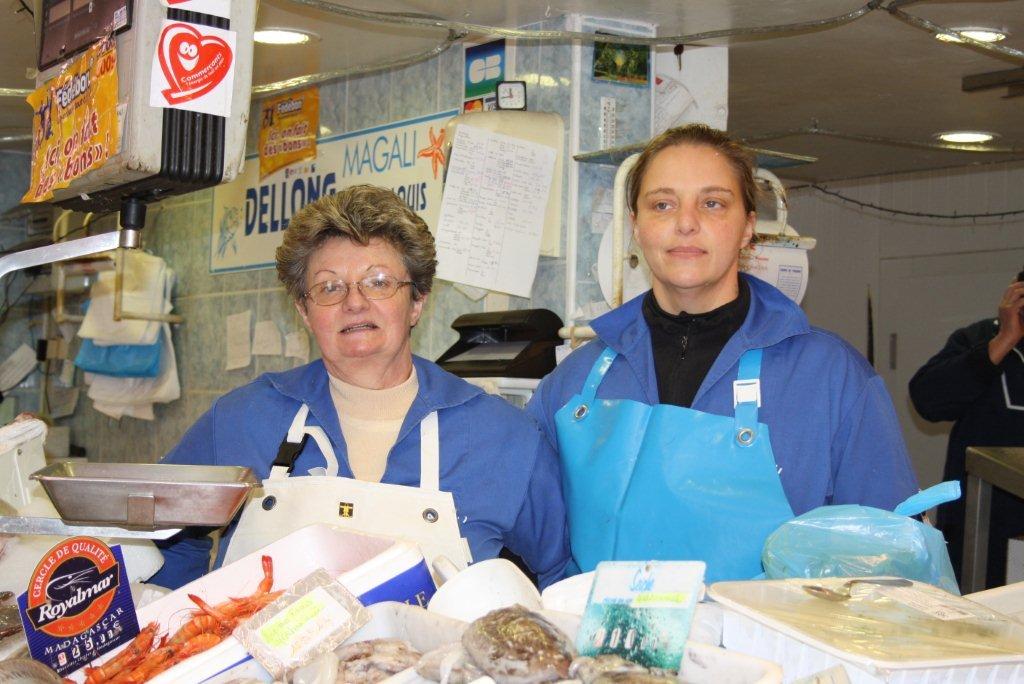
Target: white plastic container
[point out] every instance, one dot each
(482, 587)
(295, 556)
(423, 629)
(756, 633)
(1008, 600)
(398, 573)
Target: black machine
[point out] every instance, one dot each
(511, 344)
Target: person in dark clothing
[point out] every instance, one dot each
(977, 380)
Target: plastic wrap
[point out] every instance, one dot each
(311, 618)
(916, 624)
(859, 541)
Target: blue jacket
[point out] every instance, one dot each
(834, 433)
(502, 473)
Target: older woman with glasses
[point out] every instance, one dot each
(399, 447)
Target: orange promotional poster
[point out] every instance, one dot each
(288, 128)
(74, 122)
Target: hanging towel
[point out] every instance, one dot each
(146, 290)
(135, 397)
(121, 360)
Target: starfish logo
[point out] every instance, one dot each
(433, 151)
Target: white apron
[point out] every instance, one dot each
(424, 515)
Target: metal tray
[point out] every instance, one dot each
(146, 495)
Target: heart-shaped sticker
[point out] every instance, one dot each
(193, 63)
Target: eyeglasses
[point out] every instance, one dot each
(331, 292)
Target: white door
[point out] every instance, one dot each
(922, 300)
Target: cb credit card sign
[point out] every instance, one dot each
(78, 605)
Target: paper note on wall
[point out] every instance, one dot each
(782, 266)
(17, 366)
(492, 211)
(296, 345)
(239, 344)
(266, 340)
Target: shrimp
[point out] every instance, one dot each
(200, 624)
(208, 619)
(127, 658)
(245, 607)
(208, 626)
(198, 644)
(268, 576)
(156, 662)
(210, 610)
(263, 588)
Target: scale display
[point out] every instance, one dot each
(70, 26)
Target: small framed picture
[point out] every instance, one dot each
(628, 64)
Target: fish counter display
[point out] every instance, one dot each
(325, 605)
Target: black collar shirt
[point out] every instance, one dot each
(686, 346)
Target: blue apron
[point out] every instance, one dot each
(665, 482)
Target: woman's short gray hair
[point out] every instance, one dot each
(358, 213)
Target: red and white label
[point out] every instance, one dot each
(219, 8)
(72, 587)
(193, 68)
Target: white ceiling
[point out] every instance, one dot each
(876, 76)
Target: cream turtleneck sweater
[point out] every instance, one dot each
(370, 420)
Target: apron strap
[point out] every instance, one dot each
(746, 393)
(295, 441)
(597, 373)
(295, 430)
(430, 453)
(322, 441)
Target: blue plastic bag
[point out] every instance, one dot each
(121, 360)
(860, 541)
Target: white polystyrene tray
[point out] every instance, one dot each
(702, 664)
(750, 632)
(424, 630)
(295, 556)
(1008, 600)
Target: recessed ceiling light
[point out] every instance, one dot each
(282, 36)
(981, 34)
(966, 136)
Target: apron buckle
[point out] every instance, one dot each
(745, 436)
(430, 515)
(288, 453)
(580, 412)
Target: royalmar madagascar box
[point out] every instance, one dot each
(293, 557)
